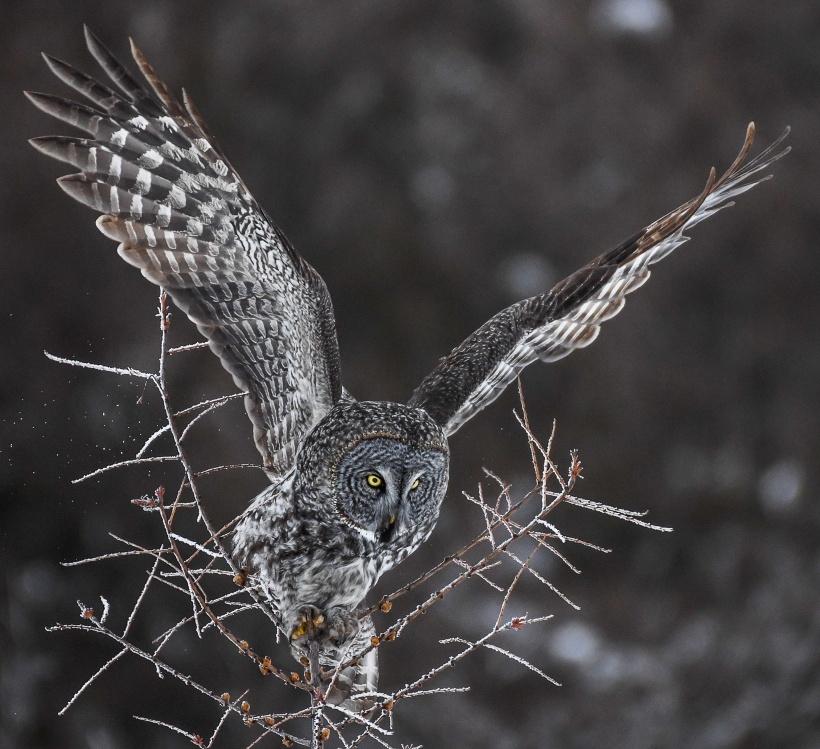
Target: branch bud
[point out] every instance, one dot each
(147, 503)
(86, 612)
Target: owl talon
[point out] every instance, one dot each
(335, 626)
(306, 623)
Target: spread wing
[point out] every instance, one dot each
(552, 325)
(186, 220)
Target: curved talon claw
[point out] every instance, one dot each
(310, 622)
(335, 626)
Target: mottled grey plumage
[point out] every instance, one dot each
(313, 544)
(357, 486)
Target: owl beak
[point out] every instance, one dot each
(389, 527)
(388, 531)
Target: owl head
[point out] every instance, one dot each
(382, 466)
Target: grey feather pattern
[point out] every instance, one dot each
(552, 325)
(183, 217)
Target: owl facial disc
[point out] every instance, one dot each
(385, 488)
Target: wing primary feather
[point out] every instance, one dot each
(95, 91)
(741, 156)
(196, 118)
(70, 112)
(160, 89)
(132, 88)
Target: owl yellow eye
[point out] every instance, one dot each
(374, 480)
(416, 484)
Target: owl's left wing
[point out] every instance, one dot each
(184, 217)
(552, 325)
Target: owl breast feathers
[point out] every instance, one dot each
(356, 486)
(364, 493)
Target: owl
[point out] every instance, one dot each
(355, 486)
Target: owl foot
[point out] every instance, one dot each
(332, 627)
(309, 621)
(318, 632)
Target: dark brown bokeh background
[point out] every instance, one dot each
(436, 162)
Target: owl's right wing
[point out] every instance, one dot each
(187, 221)
(550, 326)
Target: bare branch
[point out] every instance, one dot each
(194, 739)
(101, 670)
(188, 347)
(128, 372)
(124, 463)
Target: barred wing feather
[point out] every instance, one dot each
(186, 220)
(552, 325)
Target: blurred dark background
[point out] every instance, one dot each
(437, 162)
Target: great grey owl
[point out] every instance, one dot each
(356, 486)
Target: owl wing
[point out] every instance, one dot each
(186, 220)
(552, 325)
